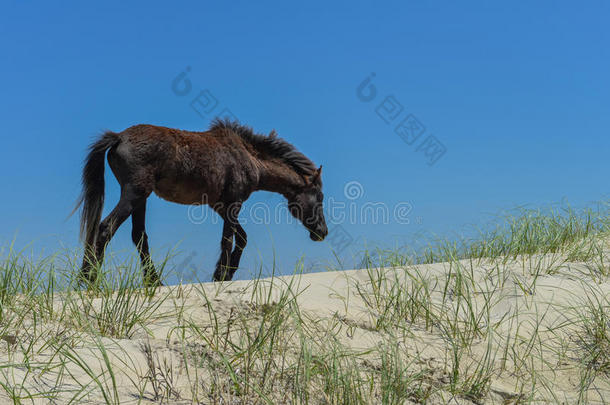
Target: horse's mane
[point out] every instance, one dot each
(271, 144)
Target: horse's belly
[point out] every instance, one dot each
(184, 193)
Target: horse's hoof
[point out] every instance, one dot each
(153, 281)
(86, 279)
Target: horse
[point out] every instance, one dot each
(219, 167)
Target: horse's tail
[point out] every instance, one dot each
(92, 195)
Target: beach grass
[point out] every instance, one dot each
(518, 313)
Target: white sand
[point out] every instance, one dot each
(328, 301)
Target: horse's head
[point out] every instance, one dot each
(305, 204)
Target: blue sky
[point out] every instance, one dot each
(517, 95)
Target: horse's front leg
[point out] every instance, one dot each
(223, 271)
(241, 239)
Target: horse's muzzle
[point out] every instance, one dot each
(319, 235)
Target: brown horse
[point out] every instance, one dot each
(220, 167)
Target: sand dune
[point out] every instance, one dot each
(531, 329)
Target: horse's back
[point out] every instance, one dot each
(184, 166)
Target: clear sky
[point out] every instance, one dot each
(509, 101)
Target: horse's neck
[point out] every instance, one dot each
(279, 178)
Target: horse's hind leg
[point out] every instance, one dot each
(107, 229)
(140, 239)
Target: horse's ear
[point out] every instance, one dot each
(273, 134)
(315, 178)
